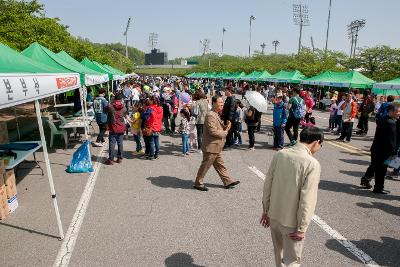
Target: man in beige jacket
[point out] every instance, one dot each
(214, 135)
(290, 196)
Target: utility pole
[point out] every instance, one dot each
(300, 17)
(327, 29)
(126, 36)
(223, 33)
(353, 28)
(275, 44)
(251, 19)
(263, 45)
(312, 44)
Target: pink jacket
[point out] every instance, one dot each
(309, 103)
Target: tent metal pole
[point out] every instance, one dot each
(17, 123)
(83, 112)
(108, 90)
(85, 116)
(49, 173)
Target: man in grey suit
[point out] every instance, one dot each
(214, 135)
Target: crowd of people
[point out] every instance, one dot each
(147, 107)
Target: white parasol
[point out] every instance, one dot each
(257, 100)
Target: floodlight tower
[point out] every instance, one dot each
(353, 28)
(275, 43)
(251, 19)
(263, 45)
(223, 33)
(153, 40)
(126, 36)
(205, 46)
(300, 17)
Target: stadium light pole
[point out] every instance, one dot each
(251, 19)
(327, 29)
(223, 33)
(300, 17)
(126, 36)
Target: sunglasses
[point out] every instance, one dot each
(320, 142)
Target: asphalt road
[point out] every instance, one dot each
(145, 213)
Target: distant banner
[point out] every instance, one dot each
(16, 88)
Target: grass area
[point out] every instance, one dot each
(164, 71)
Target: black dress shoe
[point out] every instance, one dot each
(382, 192)
(231, 185)
(365, 183)
(200, 188)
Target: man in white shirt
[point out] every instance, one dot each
(339, 114)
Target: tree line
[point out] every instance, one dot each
(25, 22)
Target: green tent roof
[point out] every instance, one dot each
(251, 76)
(350, 79)
(286, 77)
(41, 54)
(88, 63)
(13, 62)
(26, 80)
(114, 69)
(391, 87)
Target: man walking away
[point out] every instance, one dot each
(214, 135)
(228, 113)
(383, 147)
(297, 112)
(127, 95)
(116, 125)
(349, 109)
(99, 106)
(290, 196)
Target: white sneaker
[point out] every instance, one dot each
(95, 144)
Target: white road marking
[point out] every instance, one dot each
(68, 244)
(361, 255)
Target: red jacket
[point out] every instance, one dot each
(115, 119)
(155, 118)
(309, 103)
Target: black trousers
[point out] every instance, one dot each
(199, 129)
(236, 132)
(347, 130)
(229, 137)
(308, 116)
(173, 122)
(292, 122)
(363, 124)
(103, 129)
(250, 131)
(378, 169)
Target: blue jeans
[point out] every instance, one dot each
(138, 142)
(185, 143)
(278, 137)
(155, 144)
(115, 139)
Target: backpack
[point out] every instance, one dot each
(117, 124)
(250, 118)
(98, 105)
(298, 110)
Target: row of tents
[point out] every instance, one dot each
(350, 79)
(38, 73)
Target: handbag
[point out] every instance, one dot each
(147, 131)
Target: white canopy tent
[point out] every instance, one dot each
(20, 88)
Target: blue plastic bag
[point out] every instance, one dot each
(81, 160)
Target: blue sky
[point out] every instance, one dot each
(182, 24)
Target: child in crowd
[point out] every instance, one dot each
(237, 125)
(184, 130)
(333, 108)
(136, 122)
(279, 122)
(193, 133)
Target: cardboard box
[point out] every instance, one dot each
(2, 171)
(12, 203)
(9, 181)
(3, 133)
(4, 209)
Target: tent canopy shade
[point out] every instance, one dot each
(91, 76)
(25, 80)
(286, 77)
(350, 79)
(41, 54)
(392, 84)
